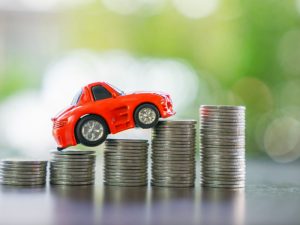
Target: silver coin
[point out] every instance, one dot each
(220, 127)
(16, 183)
(170, 171)
(68, 167)
(174, 168)
(126, 151)
(207, 175)
(214, 123)
(57, 174)
(22, 162)
(19, 180)
(225, 116)
(72, 183)
(225, 133)
(15, 166)
(125, 184)
(126, 141)
(126, 162)
(125, 146)
(172, 184)
(75, 170)
(172, 176)
(223, 149)
(168, 179)
(205, 110)
(110, 177)
(175, 131)
(219, 182)
(223, 107)
(223, 171)
(126, 174)
(216, 118)
(206, 166)
(72, 152)
(126, 159)
(216, 158)
(64, 157)
(222, 178)
(22, 173)
(172, 146)
(23, 170)
(179, 133)
(191, 139)
(173, 157)
(118, 158)
(22, 176)
(72, 160)
(177, 122)
(174, 152)
(186, 154)
(72, 163)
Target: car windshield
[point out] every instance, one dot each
(76, 98)
(120, 92)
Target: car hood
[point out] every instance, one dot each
(63, 112)
(162, 94)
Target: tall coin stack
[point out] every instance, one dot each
(173, 153)
(126, 162)
(223, 146)
(72, 167)
(23, 172)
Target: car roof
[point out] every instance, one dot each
(96, 83)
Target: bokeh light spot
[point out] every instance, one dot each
(281, 139)
(196, 9)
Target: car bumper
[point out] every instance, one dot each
(64, 137)
(167, 112)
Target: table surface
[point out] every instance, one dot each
(271, 196)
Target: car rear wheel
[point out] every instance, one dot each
(91, 131)
(146, 116)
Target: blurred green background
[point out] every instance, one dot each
(243, 51)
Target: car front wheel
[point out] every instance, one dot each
(146, 116)
(91, 131)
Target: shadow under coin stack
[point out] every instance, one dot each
(223, 146)
(173, 153)
(72, 167)
(23, 172)
(126, 162)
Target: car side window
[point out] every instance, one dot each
(100, 93)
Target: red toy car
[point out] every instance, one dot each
(99, 109)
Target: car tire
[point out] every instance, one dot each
(141, 113)
(91, 131)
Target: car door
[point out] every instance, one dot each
(113, 108)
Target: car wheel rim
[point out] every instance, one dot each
(92, 130)
(147, 116)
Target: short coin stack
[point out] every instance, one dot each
(72, 167)
(23, 172)
(126, 162)
(173, 153)
(223, 146)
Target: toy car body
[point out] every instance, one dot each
(99, 109)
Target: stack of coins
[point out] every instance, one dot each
(223, 146)
(173, 153)
(72, 167)
(126, 162)
(23, 172)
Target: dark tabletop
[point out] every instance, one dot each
(271, 196)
